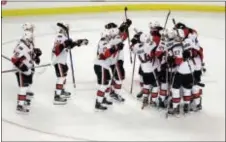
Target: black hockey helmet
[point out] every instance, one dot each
(110, 25)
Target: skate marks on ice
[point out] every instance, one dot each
(58, 136)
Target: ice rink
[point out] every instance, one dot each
(78, 120)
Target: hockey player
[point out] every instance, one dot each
(60, 51)
(191, 33)
(117, 35)
(166, 70)
(182, 60)
(143, 46)
(198, 62)
(197, 89)
(102, 69)
(35, 54)
(22, 60)
(155, 32)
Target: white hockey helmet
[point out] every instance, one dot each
(153, 25)
(28, 27)
(150, 25)
(28, 36)
(171, 33)
(156, 24)
(144, 38)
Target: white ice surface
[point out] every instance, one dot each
(77, 120)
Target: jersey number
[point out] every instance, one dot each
(145, 59)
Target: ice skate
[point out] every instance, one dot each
(66, 94)
(117, 97)
(139, 95)
(174, 111)
(29, 96)
(186, 108)
(99, 106)
(145, 102)
(105, 101)
(162, 104)
(22, 109)
(59, 100)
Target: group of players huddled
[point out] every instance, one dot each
(171, 63)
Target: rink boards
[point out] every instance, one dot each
(76, 8)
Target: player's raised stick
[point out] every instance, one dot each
(130, 54)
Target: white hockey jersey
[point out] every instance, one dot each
(184, 66)
(197, 60)
(22, 54)
(59, 53)
(163, 50)
(103, 56)
(143, 51)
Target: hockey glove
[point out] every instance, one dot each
(187, 54)
(125, 25)
(37, 60)
(81, 42)
(128, 22)
(23, 67)
(171, 61)
(68, 43)
(120, 46)
(37, 52)
(134, 41)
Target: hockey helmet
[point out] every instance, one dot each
(110, 25)
(171, 33)
(28, 27)
(28, 36)
(62, 30)
(145, 38)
